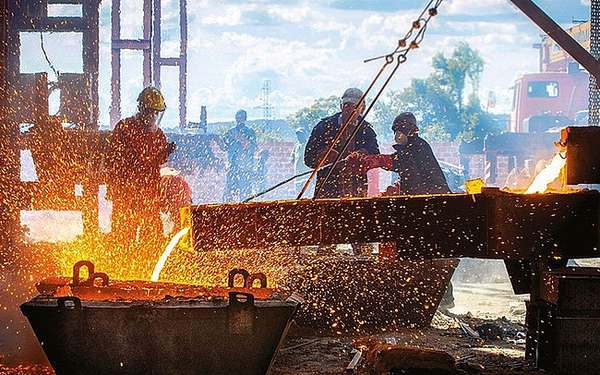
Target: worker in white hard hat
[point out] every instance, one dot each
(137, 148)
(346, 179)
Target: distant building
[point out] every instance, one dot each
(553, 58)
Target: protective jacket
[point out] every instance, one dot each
(341, 182)
(418, 170)
(134, 159)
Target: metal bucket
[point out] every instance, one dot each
(110, 329)
(171, 337)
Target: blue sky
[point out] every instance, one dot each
(307, 49)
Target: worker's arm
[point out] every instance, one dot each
(370, 145)
(316, 146)
(250, 138)
(165, 148)
(116, 156)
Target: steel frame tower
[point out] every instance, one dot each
(150, 45)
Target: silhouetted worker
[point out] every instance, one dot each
(418, 173)
(418, 170)
(297, 157)
(137, 148)
(262, 172)
(346, 179)
(240, 143)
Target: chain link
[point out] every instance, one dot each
(594, 114)
(405, 45)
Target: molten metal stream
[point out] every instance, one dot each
(547, 175)
(168, 250)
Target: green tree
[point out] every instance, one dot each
(451, 73)
(438, 101)
(308, 117)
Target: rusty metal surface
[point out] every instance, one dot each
(574, 290)
(169, 337)
(563, 325)
(97, 286)
(493, 224)
(583, 154)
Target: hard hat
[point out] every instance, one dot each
(352, 95)
(152, 98)
(406, 123)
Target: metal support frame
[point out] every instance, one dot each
(560, 36)
(594, 108)
(180, 61)
(9, 154)
(119, 45)
(26, 90)
(150, 45)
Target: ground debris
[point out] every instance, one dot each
(331, 355)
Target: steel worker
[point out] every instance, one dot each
(346, 179)
(137, 147)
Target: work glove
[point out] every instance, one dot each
(356, 162)
(330, 159)
(377, 161)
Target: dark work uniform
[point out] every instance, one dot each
(340, 182)
(133, 165)
(241, 162)
(418, 170)
(420, 173)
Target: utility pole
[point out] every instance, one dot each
(266, 103)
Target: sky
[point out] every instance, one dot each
(306, 49)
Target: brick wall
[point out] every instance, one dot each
(209, 186)
(446, 152)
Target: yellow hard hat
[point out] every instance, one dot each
(152, 98)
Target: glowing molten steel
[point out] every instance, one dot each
(165, 255)
(547, 175)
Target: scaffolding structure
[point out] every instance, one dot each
(153, 60)
(25, 102)
(594, 114)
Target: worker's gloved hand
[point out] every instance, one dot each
(356, 161)
(171, 147)
(392, 190)
(378, 161)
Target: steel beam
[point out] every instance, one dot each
(494, 224)
(117, 45)
(180, 61)
(560, 36)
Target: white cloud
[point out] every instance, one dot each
(311, 51)
(289, 14)
(478, 7)
(231, 16)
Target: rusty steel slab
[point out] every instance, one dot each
(494, 224)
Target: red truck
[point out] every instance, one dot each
(561, 90)
(562, 94)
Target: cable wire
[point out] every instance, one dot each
(402, 51)
(56, 72)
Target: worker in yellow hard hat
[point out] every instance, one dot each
(136, 150)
